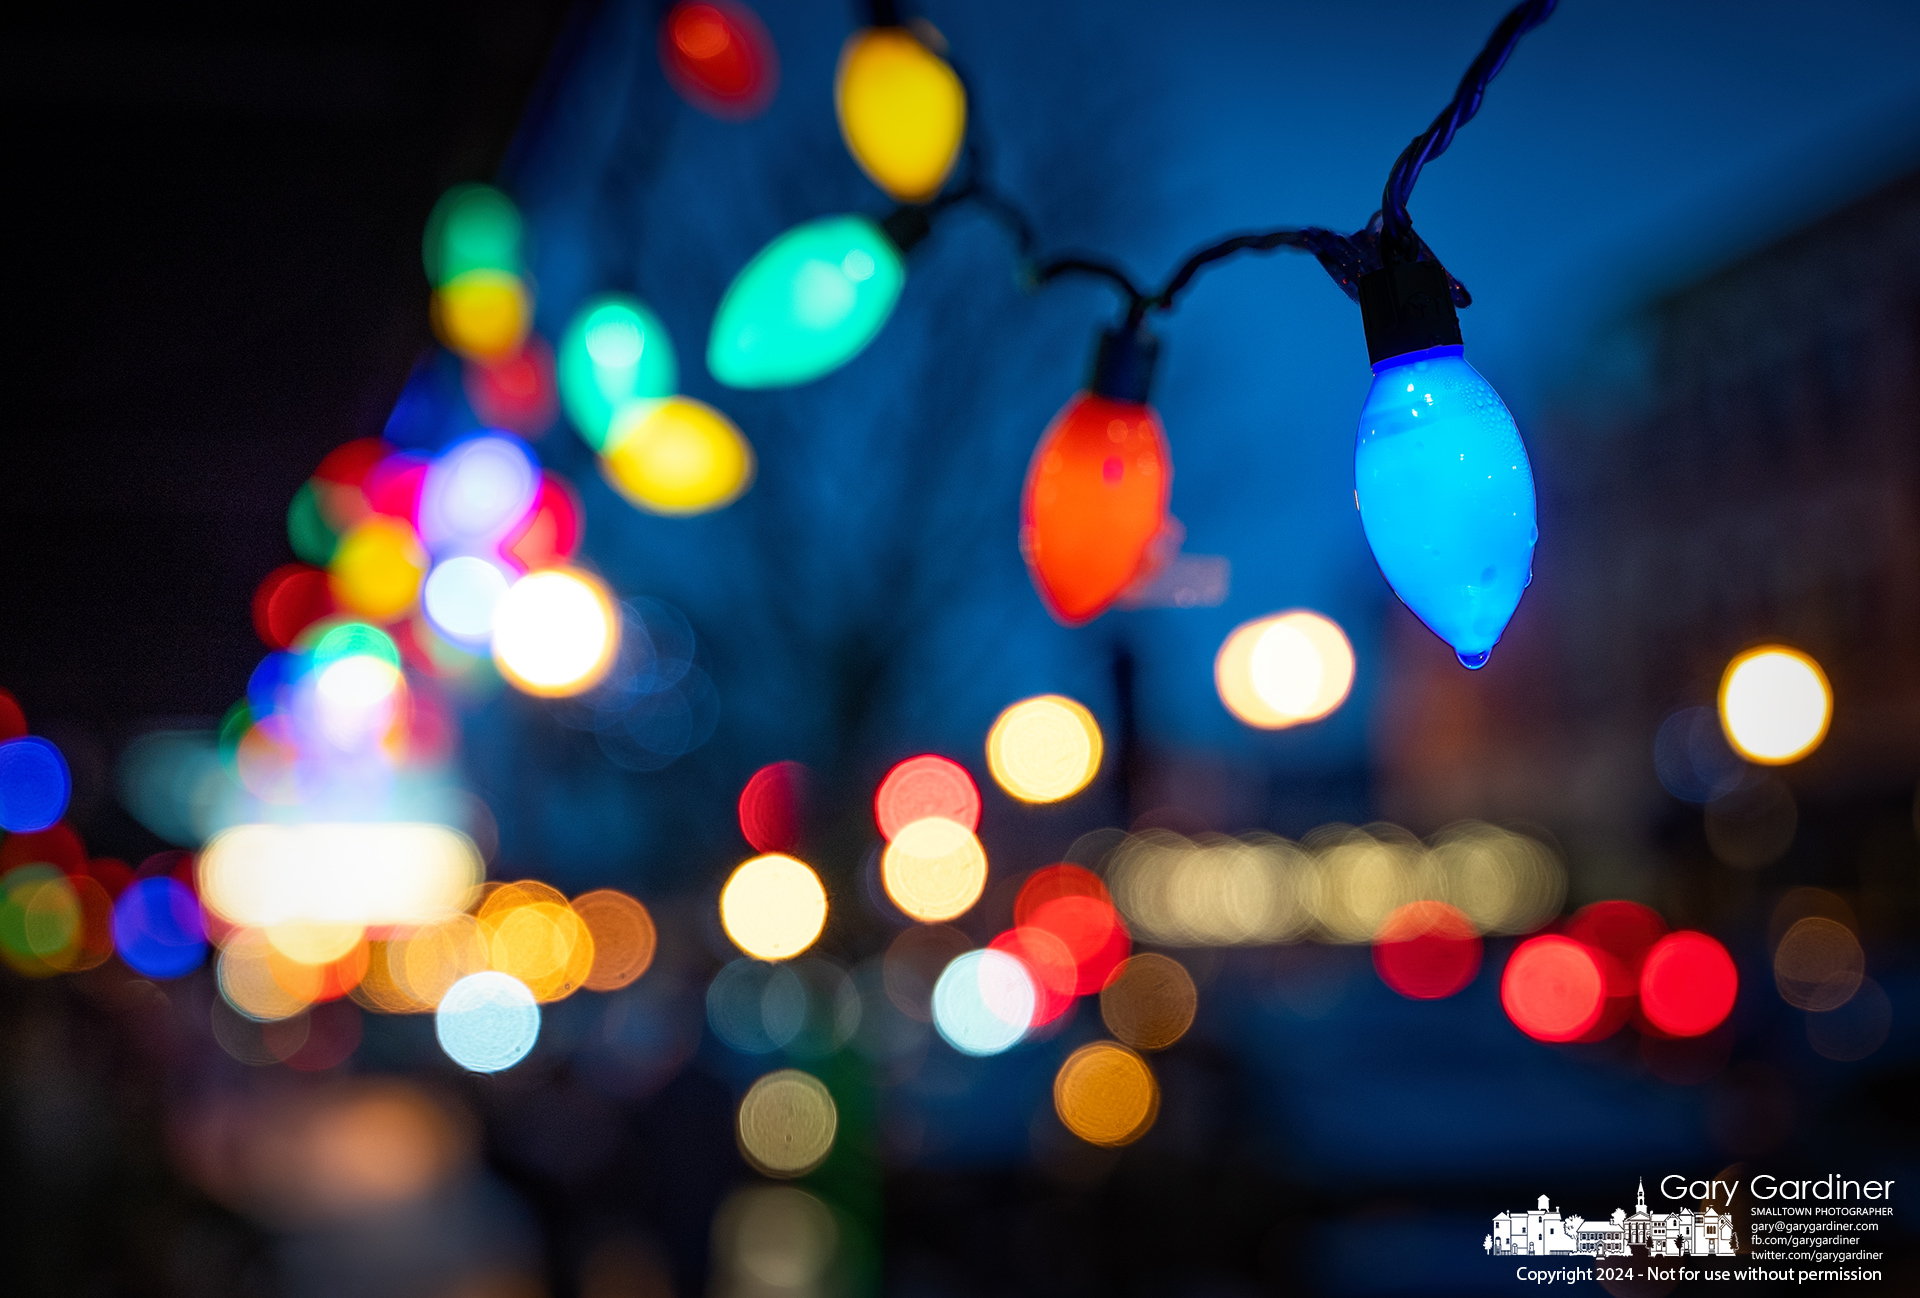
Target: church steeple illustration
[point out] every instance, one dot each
(1641, 1205)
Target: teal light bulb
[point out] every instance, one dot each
(615, 351)
(1446, 496)
(806, 304)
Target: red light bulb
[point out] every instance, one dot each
(1096, 493)
(719, 57)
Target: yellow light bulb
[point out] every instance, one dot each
(483, 314)
(677, 456)
(903, 111)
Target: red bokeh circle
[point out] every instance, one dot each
(1044, 885)
(924, 786)
(517, 393)
(1094, 935)
(1688, 984)
(288, 600)
(1553, 988)
(771, 807)
(1426, 950)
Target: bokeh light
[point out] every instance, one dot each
(1688, 984)
(934, 869)
(773, 907)
(1693, 759)
(1105, 1094)
(519, 393)
(773, 1239)
(1044, 749)
(487, 1021)
(1426, 950)
(1618, 934)
(772, 807)
(461, 595)
(913, 964)
(719, 56)
(246, 979)
(429, 962)
(475, 492)
(555, 632)
(623, 937)
(1093, 933)
(34, 784)
(984, 1002)
(903, 111)
(1150, 1002)
(1054, 881)
(376, 874)
(928, 785)
(1214, 892)
(41, 919)
(676, 457)
(471, 227)
(158, 929)
(1819, 964)
(288, 600)
(532, 934)
(1284, 669)
(550, 533)
(1775, 704)
(1552, 988)
(1056, 978)
(377, 570)
(787, 1122)
(484, 315)
(1853, 1030)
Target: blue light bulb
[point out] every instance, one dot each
(1446, 496)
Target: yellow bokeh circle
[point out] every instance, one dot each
(786, 1123)
(903, 111)
(677, 456)
(555, 632)
(1284, 669)
(1044, 749)
(934, 869)
(378, 568)
(1775, 705)
(483, 314)
(773, 907)
(1106, 1094)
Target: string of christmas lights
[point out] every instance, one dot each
(1441, 475)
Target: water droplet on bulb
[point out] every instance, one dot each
(1474, 662)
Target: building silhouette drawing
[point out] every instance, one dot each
(1543, 1232)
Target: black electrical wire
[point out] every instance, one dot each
(1387, 238)
(1397, 231)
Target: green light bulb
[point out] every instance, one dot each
(615, 351)
(472, 227)
(806, 304)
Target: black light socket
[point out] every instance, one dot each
(1407, 308)
(907, 225)
(1123, 363)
